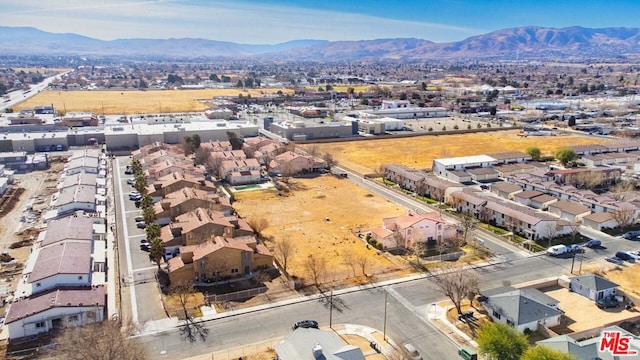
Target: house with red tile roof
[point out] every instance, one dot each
(176, 181)
(218, 259)
(199, 225)
(188, 199)
(237, 172)
(406, 230)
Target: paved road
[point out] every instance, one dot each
(19, 96)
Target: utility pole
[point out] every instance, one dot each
(384, 327)
(573, 261)
(331, 309)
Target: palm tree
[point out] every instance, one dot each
(136, 167)
(156, 250)
(141, 184)
(153, 231)
(146, 201)
(149, 215)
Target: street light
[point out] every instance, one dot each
(384, 327)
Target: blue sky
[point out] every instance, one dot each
(274, 21)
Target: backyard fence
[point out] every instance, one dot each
(445, 257)
(238, 295)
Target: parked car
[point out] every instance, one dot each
(135, 197)
(141, 224)
(615, 260)
(593, 243)
(556, 250)
(631, 235)
(133, 193)
(575, 248)
(624, 256)
(306, 324)
(144, 247)
(128, 170)
(145, 242)
(131, 181)
(608, 302)
(411, 350)
(139, 218)
(634, 254)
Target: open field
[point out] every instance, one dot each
(135, 101)
(419, 152)
(627, 277)
(343, 88)
(302, 217)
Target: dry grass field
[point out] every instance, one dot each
(135, 101)
(419, 152)
(302, 216)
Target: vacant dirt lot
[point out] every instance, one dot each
(135, 101)
(419, 152)
(627, 277)
(322, 216)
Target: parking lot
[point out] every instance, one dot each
(581, 313)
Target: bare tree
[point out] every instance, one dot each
(329, 161)
(421, 187)
(283, 250)
(623, 216)
(316, 265)
(575, 230)
(201, 156)
(621, 190)
(349, 260)
(418, 249)
(456, 283)
(467, 223)
(215, 269)
(105, 340)
(362, 260)
(398, 239)
(213, 163)
(258, 226)
(191, 330)
(379, 171)
(549, 231)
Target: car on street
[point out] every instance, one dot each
(614, 260)
(413, 352)
(631, 235)
(634, 254)
(593, 243)
(625, 256)
(306, 324)
(575, 248)
(141, 224)
(608, 302)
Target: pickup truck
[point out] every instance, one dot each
(608, 302)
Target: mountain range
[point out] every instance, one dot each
(522, 42)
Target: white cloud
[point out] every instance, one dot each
(217, 20)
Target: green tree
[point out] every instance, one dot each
(565, 155)
(236, 142)
(141, 184)
(534, 152)
(149, 215)
(545, 353)
(214, 77)
(136, 167)
(239, 83)
(146, 201)
(156, 250)
(572, 121)
(329, 87)
(501, 341)
(152, 231)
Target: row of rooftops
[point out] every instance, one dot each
(67, 264)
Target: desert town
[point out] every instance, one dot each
(206, 202)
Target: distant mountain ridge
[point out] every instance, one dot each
(525, 42)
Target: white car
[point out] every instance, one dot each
(131, 181)
(634, 254)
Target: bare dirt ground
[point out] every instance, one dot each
(419, 152)
(36, 186)
(135, 101)
(322, 216)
